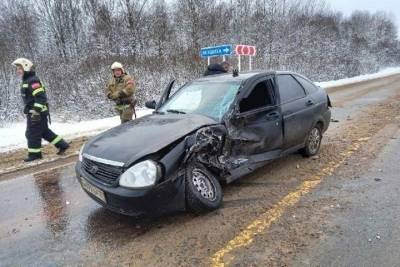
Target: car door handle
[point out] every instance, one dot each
(309, 103)
(273, 115)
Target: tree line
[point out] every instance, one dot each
(74, 42)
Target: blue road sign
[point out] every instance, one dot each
(221, 50)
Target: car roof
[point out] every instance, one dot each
(241, 77)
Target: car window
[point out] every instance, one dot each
(310, 87)
(289, 88)
(260, 96)
(208, 98)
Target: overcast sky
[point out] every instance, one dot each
(347, 6)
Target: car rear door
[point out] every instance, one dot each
(257, 126)
(297, 110)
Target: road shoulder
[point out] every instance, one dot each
(365, 217)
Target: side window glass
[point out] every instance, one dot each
(310, 87)
(261, 96)
(289, 88)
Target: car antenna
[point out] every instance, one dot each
(235, 73)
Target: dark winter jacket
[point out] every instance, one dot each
(214, 69)
(33, 93)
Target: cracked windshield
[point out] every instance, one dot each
(211, 99)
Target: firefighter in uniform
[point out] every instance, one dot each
(121, 88)
(37, 111)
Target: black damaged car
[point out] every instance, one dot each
(212, 130)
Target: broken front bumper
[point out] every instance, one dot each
(166, 197)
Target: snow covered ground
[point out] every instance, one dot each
(13, 136)
(361, 78)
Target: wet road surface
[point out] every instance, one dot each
(368, 217)
(46, 218)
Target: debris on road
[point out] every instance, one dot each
(378, 179)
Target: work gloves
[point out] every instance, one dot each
(116, 95)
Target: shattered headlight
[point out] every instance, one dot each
(141, 175)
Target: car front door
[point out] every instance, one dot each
(165, 95)
(256, 128)
(297, 110)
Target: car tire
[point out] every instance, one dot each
(203, 191)
(313, 142)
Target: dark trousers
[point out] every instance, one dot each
(36, 130)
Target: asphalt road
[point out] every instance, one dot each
(339, 209)
(367, 213)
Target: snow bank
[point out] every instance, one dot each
(13, 136)
(362, 78)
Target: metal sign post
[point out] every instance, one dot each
(245, 50)
(216, 51)
(224, 50)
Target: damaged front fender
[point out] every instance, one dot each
(207, 141)
(209, 146)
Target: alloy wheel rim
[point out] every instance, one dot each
(203, 185)
(314, 140)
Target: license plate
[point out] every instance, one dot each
(93, 190)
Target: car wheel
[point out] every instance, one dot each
(203, 191)
(313, 142)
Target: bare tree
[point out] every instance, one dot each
(63, 17)
(157, 39)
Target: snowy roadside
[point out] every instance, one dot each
(12, 136)
(362, 78)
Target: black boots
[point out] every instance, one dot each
(62, 147)
(33, 156)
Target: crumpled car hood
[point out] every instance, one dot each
(133, 140)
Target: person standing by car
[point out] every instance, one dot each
(36, 110)
(121, 88)
(214, 69)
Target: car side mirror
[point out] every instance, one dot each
(151, 104)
